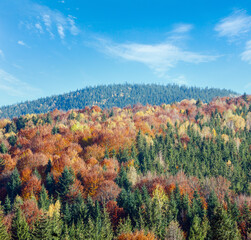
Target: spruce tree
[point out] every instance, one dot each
(50, 184)
(198, 230)
(67, 215)
(223, 227)
(19, 227)
(7, 205)
(41, 228)
(125, 226)
(3, 148)
(106, 229)
(43, 201)
(65, 180)
(122, 179)
(3, 231)
(48, 167)
(65, 235)
(56, 227)
(14, 185)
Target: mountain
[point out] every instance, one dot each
(119, 95)
(143, 172)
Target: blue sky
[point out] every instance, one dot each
(50, 47)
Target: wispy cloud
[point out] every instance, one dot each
(39, 27)
(246, 55)
(73, 29)
(53, 22)
(235, 25)
(182, 28)
(22, 43)
(61, 31)
(13, 86)
(158, 57)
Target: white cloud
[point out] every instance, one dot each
(234, 25)
(21, 43)
(61, 31)
(53, 21)
(183, 28)
(159, 57)
(39, 27)
(13, 86)
(73, 29)
(246, 55)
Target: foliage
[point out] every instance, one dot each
(179, 171)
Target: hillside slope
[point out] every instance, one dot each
(108, 96)
(138, 172)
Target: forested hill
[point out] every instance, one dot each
(174, 171)
(119, 95)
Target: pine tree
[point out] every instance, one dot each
(90, 230)
(172, 210)
(212, 204)
(19, 227)
(65, 180)
(124, 226)
(12, 140)
(48, 167)
(20, 123)
(122, 179)
(198, 230)
(106, 229)
(43, 201)
(223, 227)
(50, 184)
(3, 231)
(3, 148)
(7, 205)
(41, 229)
(56, 226)
(156, 218)
(67, 215)
(65, 235)
(14, 185)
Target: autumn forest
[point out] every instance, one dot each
(169, 171)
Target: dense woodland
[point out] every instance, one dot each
(172, 171)
(120, 95)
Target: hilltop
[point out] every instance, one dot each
(119, 95)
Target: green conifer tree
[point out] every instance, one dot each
(3, 231)
(3, 148)
(41, 228)
(19, 227)
(43, 201)
(124, 226)
(7, 205)
(56, 227)
(106, 231)
(65, 180)
(198, 230)
(14, 185)
(50, 184)
(223, 227)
